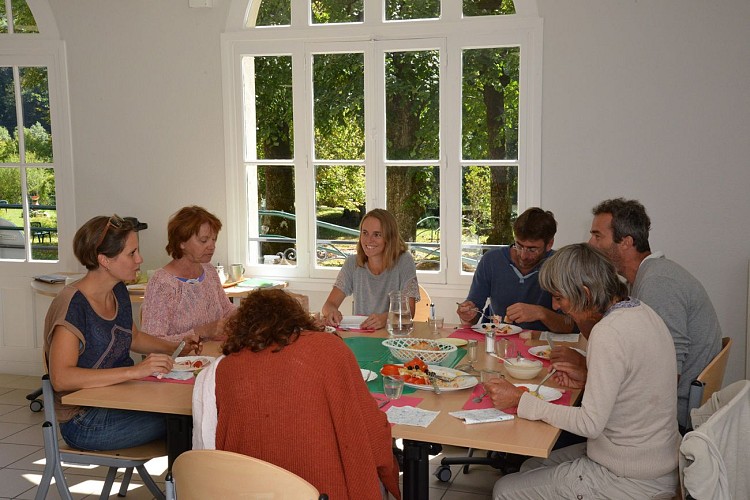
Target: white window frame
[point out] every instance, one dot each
(524, 29)
(46, 49)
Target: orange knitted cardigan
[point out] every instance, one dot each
(307, 409)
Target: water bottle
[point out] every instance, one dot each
(400, 323)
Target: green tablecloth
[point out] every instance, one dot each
(371, 355)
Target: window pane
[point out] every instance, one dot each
(42, 213)
(339, 207)
(273, 121)
(412, 105)
(8, 120)
(411, 9)
(489, 205)
(339, 106)
(36, 117)
(273, 13)
(23, 19)
(12, 235)
(337, 11)
(488, 7)
(3, 18)
(413, 197)
(277, 227)
(490, 104)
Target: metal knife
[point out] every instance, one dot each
(179, 349)
(176, 353)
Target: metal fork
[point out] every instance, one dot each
(536, 391)
(434, 383)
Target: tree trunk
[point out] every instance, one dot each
(501, 200)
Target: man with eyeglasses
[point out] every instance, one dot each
(620, 229)
(509, 277)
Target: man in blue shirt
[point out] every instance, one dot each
(509, 277)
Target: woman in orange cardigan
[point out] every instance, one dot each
(293, 395)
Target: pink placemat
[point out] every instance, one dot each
(190, 381)
(467, 334)
(402, 401)
(487, 402)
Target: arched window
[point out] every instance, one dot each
(35, 165)
(428, 108)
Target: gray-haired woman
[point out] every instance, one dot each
(628, 411)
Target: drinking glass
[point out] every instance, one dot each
(505, 348)
(435, 324)
(471, 357)
(393, 386)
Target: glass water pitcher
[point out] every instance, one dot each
(400, 323)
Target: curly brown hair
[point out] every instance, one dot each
(266, 318)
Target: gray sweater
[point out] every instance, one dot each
(629, 406)
(371, 290)
(683, 304)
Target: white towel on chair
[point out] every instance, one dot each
(205, 417)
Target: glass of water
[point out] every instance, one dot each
(393, 387)
(471, 357)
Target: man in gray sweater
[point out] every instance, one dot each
(620, 229)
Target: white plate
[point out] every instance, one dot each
(540, 351)
(464, 380)
(368, 375)
(547, 393)
(514, 329)
(352, 321)
(454, 341)
(330, 329)
(187, 363)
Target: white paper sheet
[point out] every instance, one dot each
(409, 415)
(481, 415)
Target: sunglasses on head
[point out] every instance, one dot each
(116, 222)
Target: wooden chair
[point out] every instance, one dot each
(422, 308)
(201, 474)
(710, 379)
(58, 452)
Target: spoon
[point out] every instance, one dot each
(478, 399)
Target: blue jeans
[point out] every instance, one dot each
(100, 429)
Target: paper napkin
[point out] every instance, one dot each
(481, 416)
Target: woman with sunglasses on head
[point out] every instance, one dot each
(89, 333)
(185, 297)
(381, 265)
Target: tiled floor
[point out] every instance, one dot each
(22, 458)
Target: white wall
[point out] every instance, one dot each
(645, 99)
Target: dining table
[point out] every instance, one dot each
(517, 436)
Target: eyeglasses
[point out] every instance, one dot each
(530, 250)
(116, 222)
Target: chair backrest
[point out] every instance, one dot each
(712, 375)
(200, 474)
(422, 309)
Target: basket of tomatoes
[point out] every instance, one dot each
(431, 352)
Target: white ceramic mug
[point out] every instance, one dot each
(236, 272)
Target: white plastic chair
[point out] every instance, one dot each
(58, 452)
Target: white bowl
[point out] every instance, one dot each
(523, 369)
